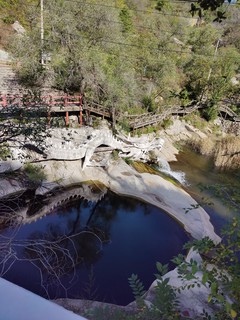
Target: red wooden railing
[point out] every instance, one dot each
(51, 101)
(63, 101)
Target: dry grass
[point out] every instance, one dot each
(143, 167)
(6, 31)
(203, 146)
(227, 153)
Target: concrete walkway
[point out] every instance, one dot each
(17, 303)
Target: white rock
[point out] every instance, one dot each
(18, 28)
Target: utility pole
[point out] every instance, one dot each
(215, 53)
(205, 89)
(41, 31)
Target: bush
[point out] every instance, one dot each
(166, 123)
(115, 155)
(195, 120)
(149, 103)
(210, 113)
(8, 19)
(35, 174)
(4, 152)
(125, 125)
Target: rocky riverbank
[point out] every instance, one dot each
(123, 179)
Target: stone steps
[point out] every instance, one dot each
(8, 81)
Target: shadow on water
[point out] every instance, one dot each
(213, 189)
(88, 250)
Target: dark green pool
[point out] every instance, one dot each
(84, 250)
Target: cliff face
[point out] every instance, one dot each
(225, 150)
(227, 154)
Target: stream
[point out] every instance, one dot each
(216, 191)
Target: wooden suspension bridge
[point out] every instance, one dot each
(55, 104)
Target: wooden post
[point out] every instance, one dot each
(67, 118)
(81, 109)
(80, 117)
(49, 110)
(4, 98)
(67, 112)
(49, 119)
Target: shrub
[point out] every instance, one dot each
(195, 120)
(4, 152)
(128, 161)
(125, 125)
(115, 155)
(35, 174)
(149, 103)
(210, 113)
(166, 123)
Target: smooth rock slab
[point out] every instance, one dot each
(147, 187)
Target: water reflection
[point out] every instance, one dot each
(88, 250)
(209, 185)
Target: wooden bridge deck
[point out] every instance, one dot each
(66, 104)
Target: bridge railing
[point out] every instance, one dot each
(31, 100)
(67, 103)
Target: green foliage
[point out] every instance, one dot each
(96, 123)
(210, 113)
(124, 125)
(166, 123)
(18, 10)
(34, 173)
(228, 192)
(8, 19)
(165, 303)
(223, 278)
(115, 154)
(149, 103)
(106, 313)
(185, 97)
(196, 120)
(145, 54)
(136, 286)
(128, 161)
(203, 246)
(126, 20)
(214, 5)
(4, 151)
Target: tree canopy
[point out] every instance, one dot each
(123, 52)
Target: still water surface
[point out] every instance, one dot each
(134, 236)
(212, 188)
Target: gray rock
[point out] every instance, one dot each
(10, 187)
(10, 165)
(18, 28)
(4, 56)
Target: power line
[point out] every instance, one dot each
(120, 8)
(134, 26)
(135, 45)
(125, 44)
